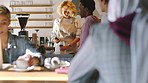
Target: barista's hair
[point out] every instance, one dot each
(90, 4)
(71, 8)
(4, 11)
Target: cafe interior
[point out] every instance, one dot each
(34, 19)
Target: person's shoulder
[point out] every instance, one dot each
(88, 18)
(13, 35)
(100, 29)
(16, 37)
(58, 19)
(93, 19)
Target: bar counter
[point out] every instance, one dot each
(33, 76)
(37, 75)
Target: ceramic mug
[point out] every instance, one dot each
(22, 64)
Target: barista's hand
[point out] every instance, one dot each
(56, 40)
(62, 48)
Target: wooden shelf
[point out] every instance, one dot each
(31, 12)
(33, 5)
(35, 19)
(34, 27)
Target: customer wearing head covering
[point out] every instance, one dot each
(108, 52)
(139, 44)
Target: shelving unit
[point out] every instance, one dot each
(36, 27)
(31, 12)
(35, 19)
(38, 12)
(33, 5)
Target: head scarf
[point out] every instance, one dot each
(120, 16)
(121, 8)
(139, 44)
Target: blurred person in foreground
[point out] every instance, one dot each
(15, 47)
(65, 29)
(139, 44)
(109, 50)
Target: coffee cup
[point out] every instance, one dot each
(55, 61)
(22, 64)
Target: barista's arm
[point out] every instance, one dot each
(76, 40)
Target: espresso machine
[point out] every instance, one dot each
(23, 18)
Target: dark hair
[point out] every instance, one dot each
(90, 4)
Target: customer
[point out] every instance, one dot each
(13, 46)
(107, 53)
(104, 6)
(86, 9)
(65, 28)
(139, 44)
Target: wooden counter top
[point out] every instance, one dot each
(37, 74)
(32, 76)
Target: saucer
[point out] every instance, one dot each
(22, 70)
(5, 66)
(65, 64)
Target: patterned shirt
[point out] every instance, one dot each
(105, 52)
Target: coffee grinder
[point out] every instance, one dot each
(23, 18)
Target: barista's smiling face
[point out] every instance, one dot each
(4, 23)
(65, 12)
